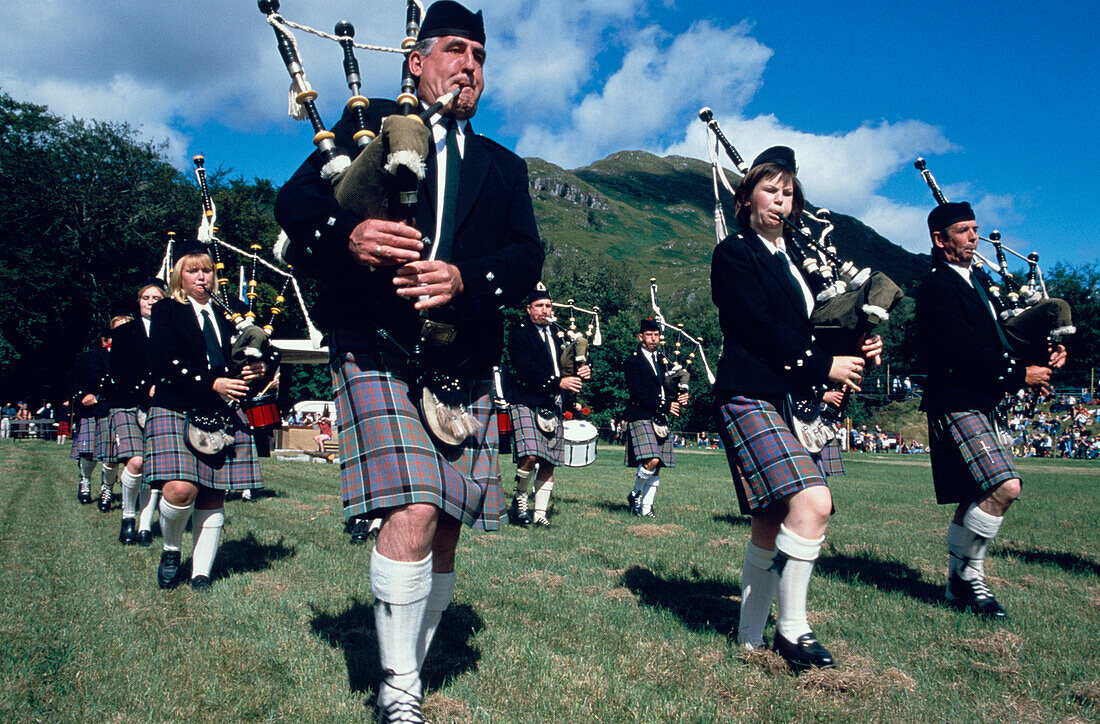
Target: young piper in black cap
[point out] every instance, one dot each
(768, 352)
(476, 208)
(648, 440)
(131, 369)
(538, 386)
(970, 367)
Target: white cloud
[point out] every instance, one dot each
(844, 171)
(659, 80)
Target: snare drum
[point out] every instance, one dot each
(262, 412)
(580, 443)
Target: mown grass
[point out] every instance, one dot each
(602, 619)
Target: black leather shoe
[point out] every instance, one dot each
(145, 538)
(806, 653)
(974, 595)
(361, 532)
(650, 514)
(543, 523)
(168, 572)
(85, 494)
(200, 583)
(634, 503)
(126, 533)
(520, 516)
(105, 498)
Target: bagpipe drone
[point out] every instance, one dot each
(677, 379)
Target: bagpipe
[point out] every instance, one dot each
(677, 379)
(575, 344)
(849, 301)
(382, 182)
(1032, 321)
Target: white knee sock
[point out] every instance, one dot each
(543, 488)
(206, 526)
(523, 480)
(640, 479)
(149, 501)
(443, 587)
(107, 476)
(173, 521)
(86, 467)
(794, 560)
(650, 492)
(131, 490)
(966, 543)
(758, 584)
(401, 592)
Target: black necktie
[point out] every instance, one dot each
(450, 194)
(982, 295)
(213, 350)
(545, 334)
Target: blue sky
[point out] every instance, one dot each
(999, 97)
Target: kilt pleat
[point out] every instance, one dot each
(530, 440)
(128, 436)
(968, 457)
(83, 438)
(389, 459)
(829, 459)
(104, 441)
(642, 445)
(167, 456)
(767, 461)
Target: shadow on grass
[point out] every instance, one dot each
(1069, 562)
(248, 555)
(867, 570)
(702, 605)
(352, 631)
(731, 519)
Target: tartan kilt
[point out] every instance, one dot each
(128, 436)
(767, 461)
(530, 440)
(968, 457)
(642, 445)
(83, 438)
(167, 456)
(829, 459)
(389, 459)
(104, 440)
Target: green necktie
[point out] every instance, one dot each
(450, 193)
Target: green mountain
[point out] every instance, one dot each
(654, 217)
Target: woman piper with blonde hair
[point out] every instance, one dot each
(191, 342)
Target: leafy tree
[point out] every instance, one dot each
(83, 209)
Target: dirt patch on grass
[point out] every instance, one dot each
(542, 579)
(1086, 692)
(650, 530)
(724, 542)
(856, 677)
(440, 708)
(767, 661)
(1001, 643)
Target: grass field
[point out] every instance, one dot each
(602, 619)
